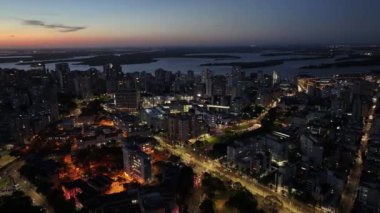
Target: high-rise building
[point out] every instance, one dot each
(144, 82)
(127, 100)
(360, 108)
(179, 128)
(275, 78)
(206, 74)
(163, 75)
(137, 163)
(207, 81)
(260, 78)
(82, 86)
(363, 88)
(38, 67)
(112, 73)
(199, 126)
(199, 90)
(190, 75)
(63, 70)
(109, 71)
(368, 196)
(234, 83)
(219, 86)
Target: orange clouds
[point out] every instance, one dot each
(35, 41)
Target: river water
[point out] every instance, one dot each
(287, 69)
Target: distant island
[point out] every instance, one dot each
(303, 53)
(248, 64)
(267, 63)
(105, 57)
(367, 62)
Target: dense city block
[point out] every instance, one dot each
(109, 141)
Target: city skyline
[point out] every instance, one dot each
(189, 106)
(171, 23)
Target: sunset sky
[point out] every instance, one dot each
(135, 23)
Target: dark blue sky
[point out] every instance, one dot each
(191, 22)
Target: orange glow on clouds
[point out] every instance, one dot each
(52, 41)
(93, 38)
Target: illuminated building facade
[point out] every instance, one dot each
(137, 163)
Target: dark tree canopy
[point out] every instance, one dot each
(186, 181)
(243, 201)
(212, 184)
(18, 202)
(207, 206)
